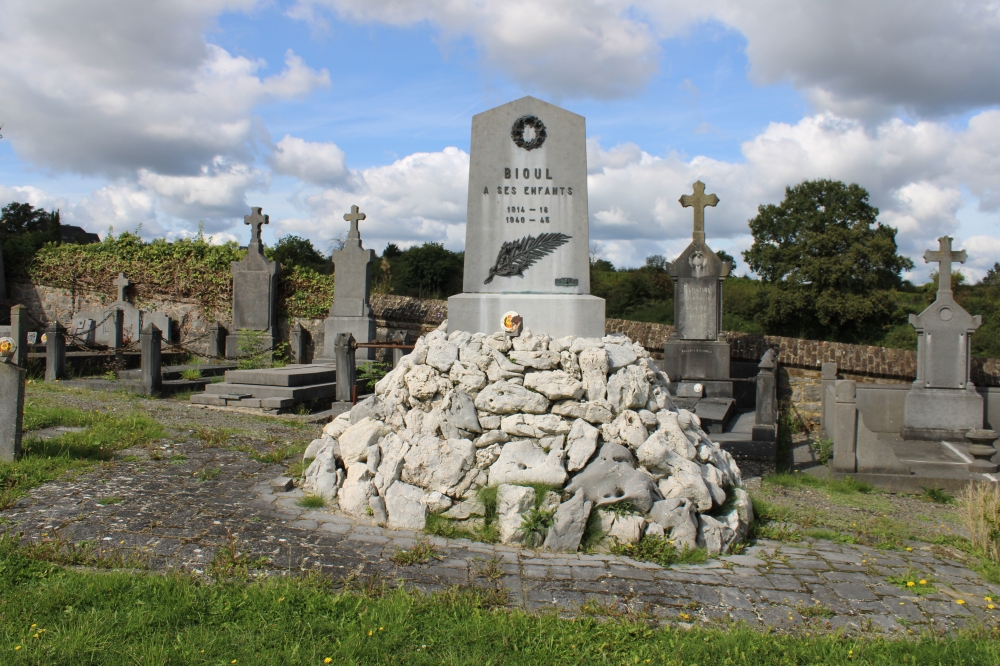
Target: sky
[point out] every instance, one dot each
(170, 116)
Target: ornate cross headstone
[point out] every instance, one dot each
(697, 354)
(255, 286)
(943, 402)
(350, 311)
(698, 201)
(123, 283)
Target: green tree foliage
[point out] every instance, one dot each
(641, 294)
(296, 251)
(992, 278)
(423, 271)
(24, 230)
(725, 256)
(829, 267)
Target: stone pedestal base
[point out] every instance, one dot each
(695, 359)
(933, 414)
(553, 314)
(362, 328)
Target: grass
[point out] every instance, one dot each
(191, 374)
(45, 460)
(312, 501)
(85, 617)
(209, 473)
(222, 438)
(421, 553)
(659, 550)
(980, 505)
(104, 501)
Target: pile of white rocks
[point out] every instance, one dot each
(588, 417)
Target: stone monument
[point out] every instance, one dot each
(527, 233)
(100, 324)
(350, 311)
(696, 356)
(255, 288)
(943, 403)
(3, 284)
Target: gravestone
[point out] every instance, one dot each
(943, 403)
(527, 234)
(55, 352)
(19, 332)
(3, 284)
(351, 311)
(255, 288)
(101, 325)
(696, 355)
(12, 380)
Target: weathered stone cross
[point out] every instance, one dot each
(944, 256)
(354, 217)
(698, 201)
(122, 283)
(256, 221)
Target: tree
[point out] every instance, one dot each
(829, 267)
(427, 271)
(19, 218)
(725, 256)
(297, 251)
(992, 278)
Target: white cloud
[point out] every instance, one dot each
(856, 58)
(313, 162)
(110, 87)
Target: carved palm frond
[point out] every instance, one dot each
(516, 256)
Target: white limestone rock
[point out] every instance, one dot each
(679, 518)
(714, 481)
(538, 360)
(321, 478)
(315, 446)
(524, 461)
(357, 490)
(570, 364)
(579, 344)
(336, 427)
(466, 509)
(436, 502)
(467, 377)
(394, 449)
(627, 429)
(568, 524)
(491, 437)
(422, 383)
(354, 442)
(560, 345)
(686, 481)
(628, 389)
(713, 536)
(379, 513)
(612, 478)
(594, 367)
(676, 438)
(581, 445)
(506, 398)
(513, 502)
(440, 465)
(655, 531)
(554, 385)
(628, 529)
(619, 356)
(486, 457)
(534, 426)
(530, 342)
(405, 508)
(740, 517)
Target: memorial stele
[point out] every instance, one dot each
(527, 235)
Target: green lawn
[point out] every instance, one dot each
(52, 615)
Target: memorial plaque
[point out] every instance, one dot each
(527, 235)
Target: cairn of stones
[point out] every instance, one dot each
(590, 418)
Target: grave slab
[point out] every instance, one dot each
(290, 375)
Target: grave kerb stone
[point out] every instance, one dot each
(150, 341)
(527, 233)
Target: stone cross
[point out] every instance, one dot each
(944, 256)
(698, 201)
(354, 217)
(122, 283)
(256, 221)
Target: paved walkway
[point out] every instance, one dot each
(178, 511)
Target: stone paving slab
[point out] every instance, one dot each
(178, 518)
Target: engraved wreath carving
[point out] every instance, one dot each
(517, 132)
(517, 256)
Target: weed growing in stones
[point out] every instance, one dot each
(659, 550)
(438, 525)
(209, 473)
(191, 374)
(913, 582)
(815, 610)
(535, 525)
(104, 501)
(230, 563)
(82, 553)
(421, 553)
(980, 504)
(592, 533)
(937, 495)
(822, 449)
(178, 459)
(213, 437)
(312, 502)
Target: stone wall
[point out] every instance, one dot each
(799, 360)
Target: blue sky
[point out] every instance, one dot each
(173, 113)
